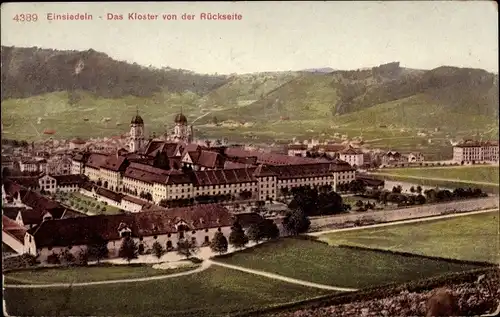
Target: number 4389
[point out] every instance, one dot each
(26, 17)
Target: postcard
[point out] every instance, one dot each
(250, 159)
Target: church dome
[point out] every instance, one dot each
(180, 118)
(137, 120)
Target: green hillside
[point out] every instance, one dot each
(241, 90)
(106, 116)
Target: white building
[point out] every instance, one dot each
(352, 156)
(198, 223)
(475, 151)
(32, 165)
(63, 183)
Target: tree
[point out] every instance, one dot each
(129, 249)
(83, 257)
(412, 189)
(219, 243)
(269, 229)
(237, 237)
(158, 249)
(254, 233)
(419, 189)
(359, 204)
(187, 247)
(296, 222)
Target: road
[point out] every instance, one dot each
(400, 222)
(205, 265)
(283, 278)
(434, 179)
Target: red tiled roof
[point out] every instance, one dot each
(114, 163)
(13, 228)
(351, 151)
(219, 177)
(64, 180)
(297, 147)
(87, 230)
(109, 194)
(26, 181)
(263, 170)
(96, 160)
(135, 200)
(31, 217)
(210, 159)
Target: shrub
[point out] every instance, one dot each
(53, 258)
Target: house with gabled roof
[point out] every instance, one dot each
(352, 156)
(198, 223)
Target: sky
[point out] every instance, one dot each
(271, 36)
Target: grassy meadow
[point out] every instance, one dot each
(320, 263)
(473, 237)
(214, 292)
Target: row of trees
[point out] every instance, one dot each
(204, 199)
(354, 186)
(316, 201)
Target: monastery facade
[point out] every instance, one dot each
(192, 170)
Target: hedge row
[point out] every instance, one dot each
(378, 292)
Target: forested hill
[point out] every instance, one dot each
(32, 71)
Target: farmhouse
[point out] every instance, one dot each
(198, 223)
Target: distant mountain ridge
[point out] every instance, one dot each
(310, 94)
(31, 71)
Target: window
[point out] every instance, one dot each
(193, 232)
(206, 239)
(219, 229)
(206, 230)
(155, 237)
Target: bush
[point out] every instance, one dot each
(53, 258)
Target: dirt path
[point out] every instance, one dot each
(435, 179)
(400, 222)
(283, 278)
(205, 265)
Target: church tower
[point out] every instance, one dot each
(182, 132)
(137, 137)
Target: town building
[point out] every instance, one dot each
(61, 183)
(470, 151)
(352, 156)
(32, 164)
(415, 157)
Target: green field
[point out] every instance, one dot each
(214, 292)
(320, 263)
(79, 274)
(472, 237)
(487, 174)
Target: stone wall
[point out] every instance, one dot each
(427, 210)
